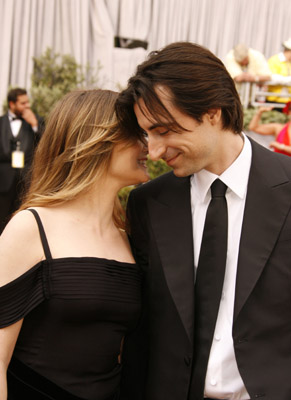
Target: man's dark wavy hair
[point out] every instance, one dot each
(196, 79)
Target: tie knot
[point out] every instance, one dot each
(218, 188)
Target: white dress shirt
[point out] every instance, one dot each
(14, 124)
(223, 380)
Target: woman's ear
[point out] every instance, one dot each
(214, 115)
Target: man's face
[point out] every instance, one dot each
(244, 62)
(196, 147)
(21, 104)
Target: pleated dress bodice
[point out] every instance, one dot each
(76, 312)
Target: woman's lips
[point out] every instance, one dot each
(142, 162)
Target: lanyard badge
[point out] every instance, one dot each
(17, 157)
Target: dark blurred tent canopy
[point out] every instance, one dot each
(119, 33)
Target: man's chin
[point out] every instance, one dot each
(180, 173)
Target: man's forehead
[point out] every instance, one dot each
(154, 113)
(145, 118)
(141, 109)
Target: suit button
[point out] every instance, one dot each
(187, 360)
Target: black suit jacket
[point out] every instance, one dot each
(11, 179)
(158, 355)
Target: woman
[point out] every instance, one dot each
(69, 287)
(282, 132)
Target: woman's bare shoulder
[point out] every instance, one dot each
(20, 246)
(22, 222)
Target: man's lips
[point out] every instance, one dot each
(171, 161)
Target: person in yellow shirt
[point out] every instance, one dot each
(280, 66)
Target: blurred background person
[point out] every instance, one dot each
(69, 285)
(280, 67)
(20, 131)
(247, 65)
(282, 132)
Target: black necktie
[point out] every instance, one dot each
(209, 282)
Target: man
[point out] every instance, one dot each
(185, 101)
(247, 65)
(280, 66)
(20, 131)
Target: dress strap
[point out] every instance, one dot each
(43, 237)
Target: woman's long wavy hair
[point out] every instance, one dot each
(75, 149)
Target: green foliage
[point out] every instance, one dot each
(5, 105)
(123, 195)
(157, 168)
(43, 99)
(267, 117)
(53, 76)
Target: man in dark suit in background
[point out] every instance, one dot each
(216, 323)
(20, 131)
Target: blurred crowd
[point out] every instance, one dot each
(249, 65)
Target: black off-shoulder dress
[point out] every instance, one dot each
(76, 312)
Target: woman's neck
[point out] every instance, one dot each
(94, 207)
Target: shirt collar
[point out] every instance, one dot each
(11, 115)
(235, 176)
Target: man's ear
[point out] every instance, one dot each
(11, 105)
(214, 115)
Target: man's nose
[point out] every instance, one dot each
(156, 148)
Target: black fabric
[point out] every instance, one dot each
(23, 294)
(76, 312)
(24, 383)
(209, 282)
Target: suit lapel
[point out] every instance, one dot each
(172, 225)
(267, 205)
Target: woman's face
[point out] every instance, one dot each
(128, 163)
